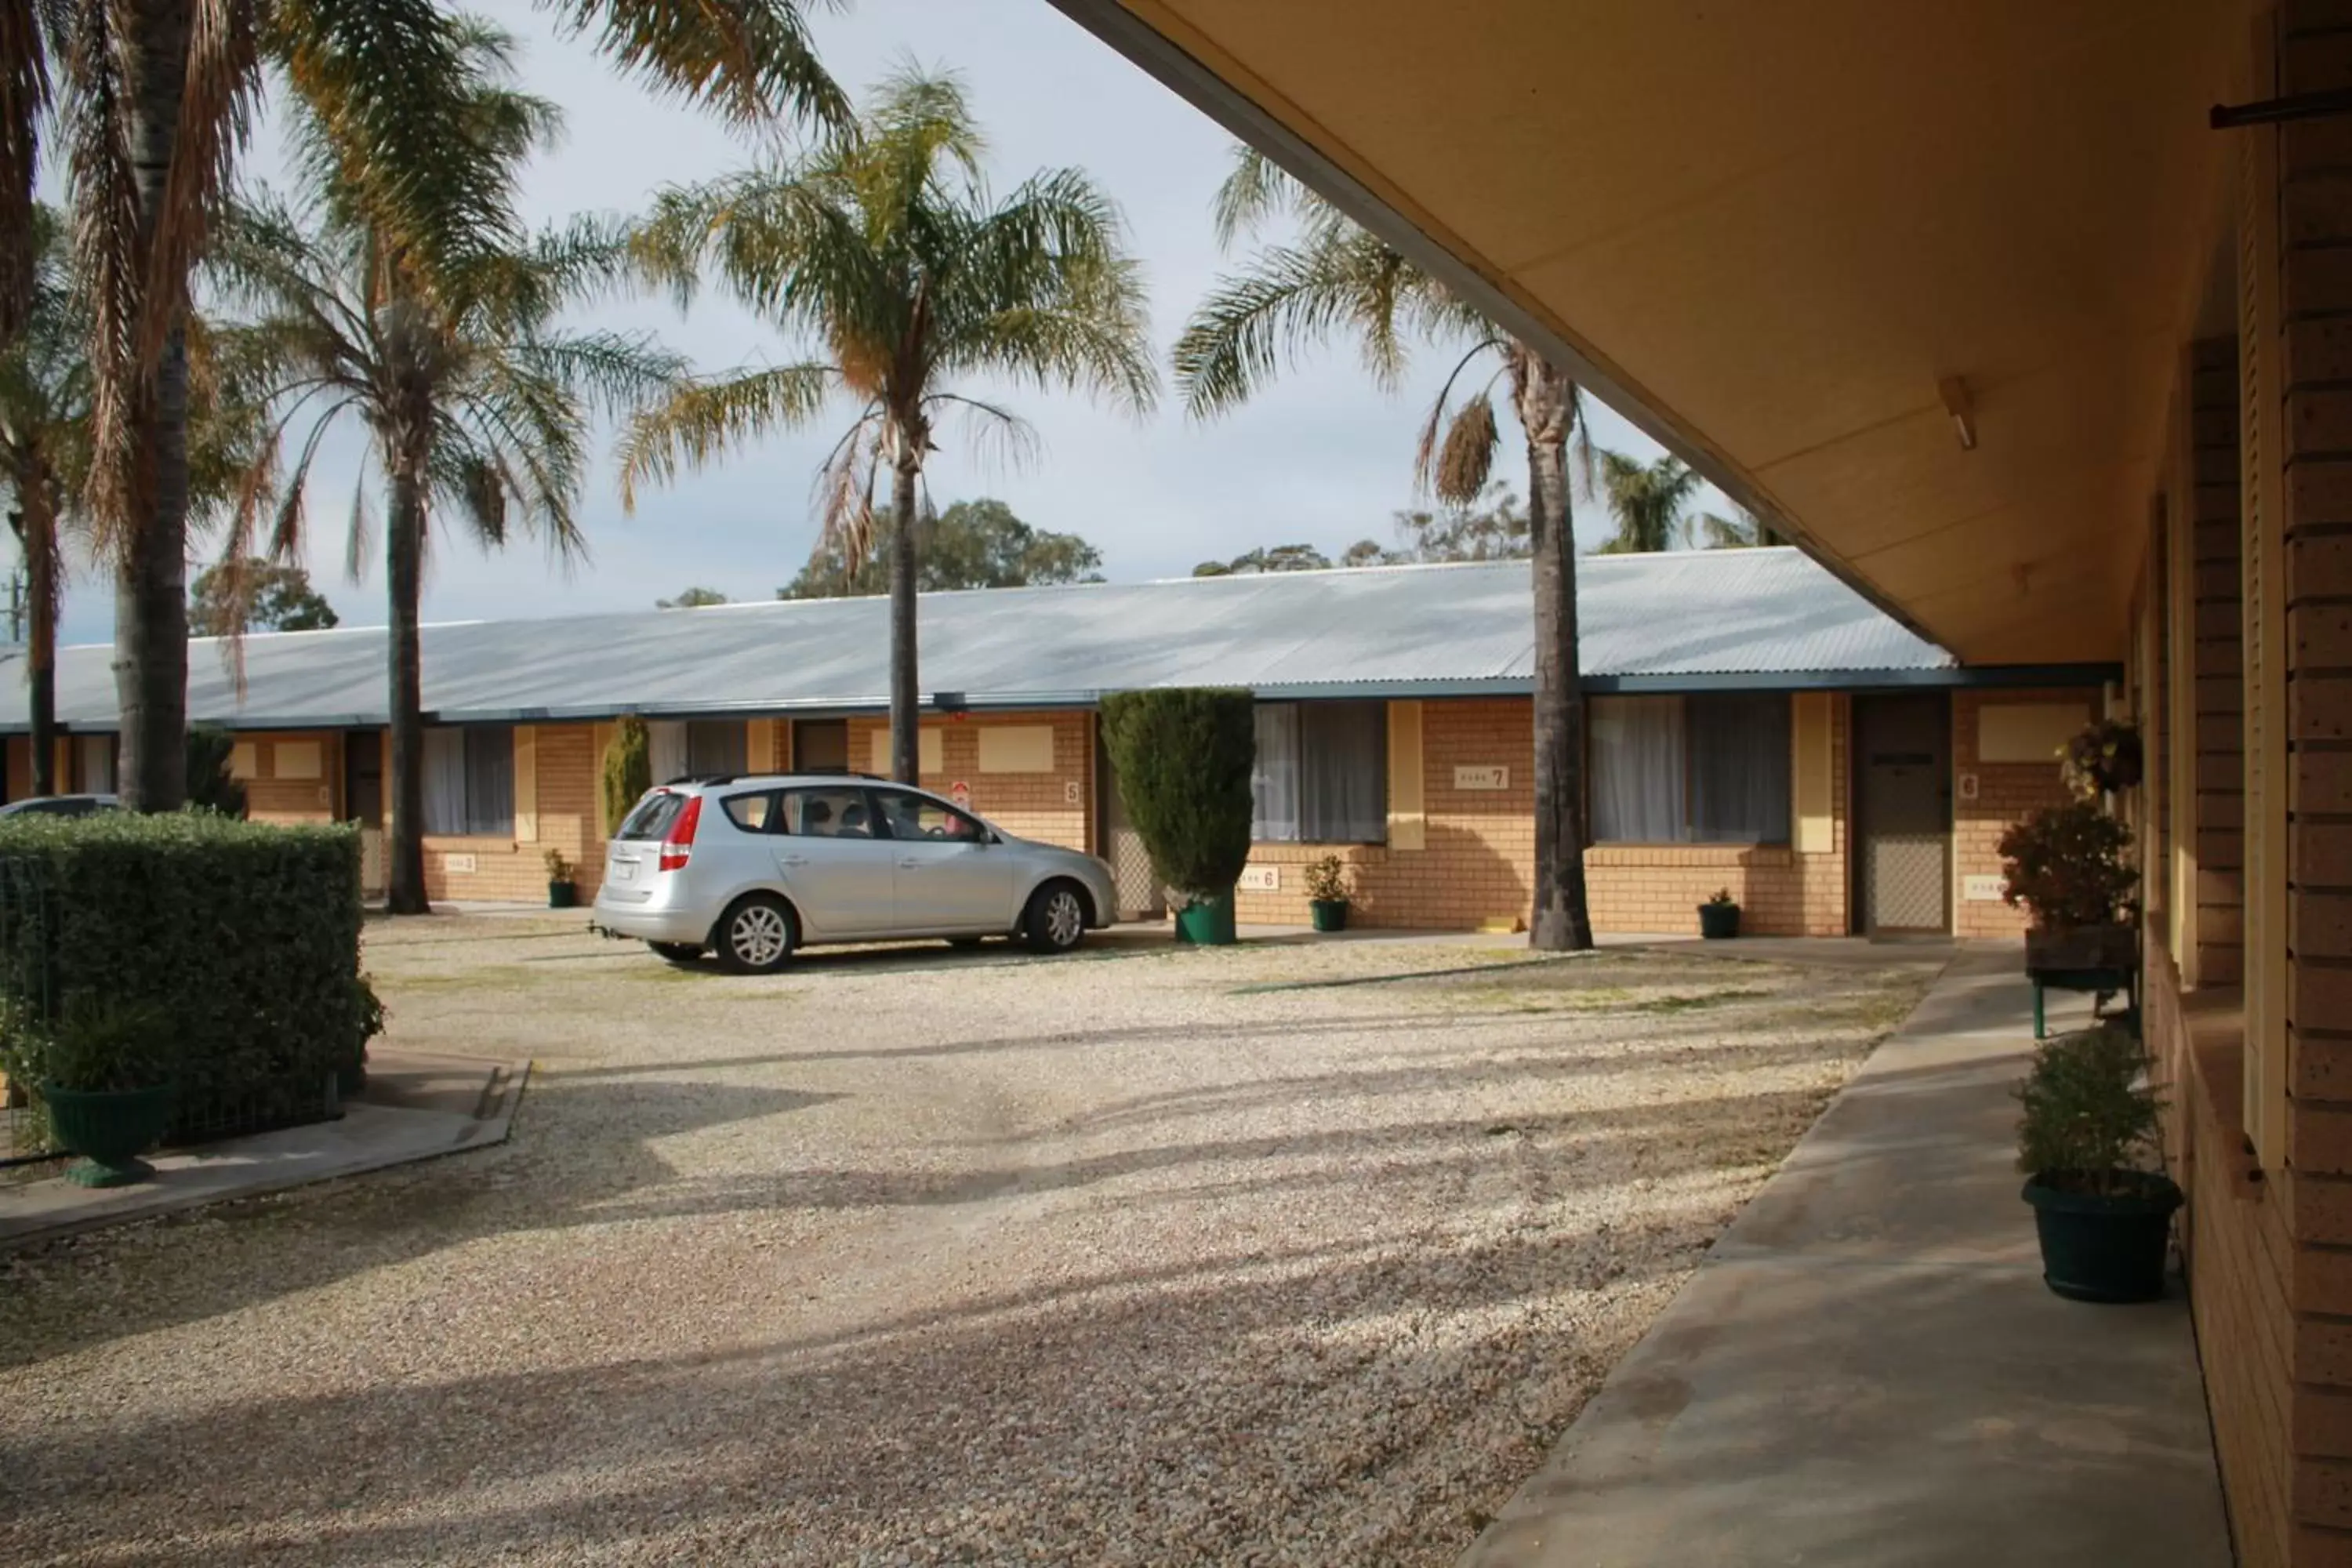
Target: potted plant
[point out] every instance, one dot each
(1183, 757)
(1719, 918)
(562, 881)
(2066, 865)
(2105, 757)
(1327, 893)
(2088, 1124)
(107, 1072)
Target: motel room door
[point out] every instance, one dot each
(1902, 793)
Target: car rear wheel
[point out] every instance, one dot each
(756, 935)
(1056, 920)
(678, 952)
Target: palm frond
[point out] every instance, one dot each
(1467, 459)
(1288, 299)
(997, 433)
(751, 60)
(25, 98)
(703, 419)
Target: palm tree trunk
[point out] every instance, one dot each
(405, 553)
(37, 533)
(151, 605)
(1561, 922)
(905, 751)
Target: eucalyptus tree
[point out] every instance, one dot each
(1329, 278)
(886, 250)
(150, 101)
(476, 405)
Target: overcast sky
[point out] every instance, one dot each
(1324, 457)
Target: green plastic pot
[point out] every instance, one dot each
(110, 1129)
(1719, 922)
(563, 895)
(1207, 922)
(2102, 1247)
(1328, 914)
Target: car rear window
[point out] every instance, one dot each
(653, 816)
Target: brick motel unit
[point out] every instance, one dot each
(1753, 725)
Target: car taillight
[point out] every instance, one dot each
(677, 849)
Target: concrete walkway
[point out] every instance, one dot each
(415, 1107)
(1868, 1370)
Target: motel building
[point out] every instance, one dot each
(1754, 724)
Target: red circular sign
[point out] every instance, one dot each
(959, 792)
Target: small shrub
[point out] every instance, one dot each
(1183, 758)
(96, 1043)
(629, 769)
(559, 870)
(2066, 865)
(1327, 881)
(244, 936)
(1723, 897)
(2087, 1118)
(2105, 755)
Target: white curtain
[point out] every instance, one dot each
(1738, 769)
(667, 749)
(1343, 773)
(1637, 769)
(445, 781)
(489, 781)
(97, 764)
(1273, 776)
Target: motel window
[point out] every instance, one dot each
(469, 780)
(1689, 770)
(1321, 775)
(695, 748)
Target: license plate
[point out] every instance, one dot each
(625, 870)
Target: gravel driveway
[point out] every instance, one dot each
(1147, 1257)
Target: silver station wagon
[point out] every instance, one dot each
(750, 867)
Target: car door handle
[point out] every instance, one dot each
(796, 859)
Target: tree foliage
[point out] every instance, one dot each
(212, 783)
(692, 599)
(1183, 756)
(1270, 558)
(972, 544)
(256, 594)
(629, 769)
(1495, 529)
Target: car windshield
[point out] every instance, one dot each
(653, 816)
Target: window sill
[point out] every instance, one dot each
(1311, 850)
(1672, 853)
(2215, 1017)
(436, 843)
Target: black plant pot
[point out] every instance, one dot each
(1719, 922)
(563, 895)
(1328, 914)
(2104, 1247)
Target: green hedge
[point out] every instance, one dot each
(1183, 758)
(246, 935)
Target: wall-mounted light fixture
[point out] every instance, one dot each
(1955, 393)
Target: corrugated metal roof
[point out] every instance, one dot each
(1395, 629)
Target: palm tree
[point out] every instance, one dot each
(1333, 277)
(1647, 501)
(475, 406)
(1743, 530)
(888, 248)
(151, 101)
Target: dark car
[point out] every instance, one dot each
(60, 805)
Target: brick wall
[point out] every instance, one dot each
(1478, 863)
(510, 868)
(1052, 807)
(294, 777)
(2005, 793)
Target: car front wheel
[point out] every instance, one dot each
(756, 935)
(1055, 920)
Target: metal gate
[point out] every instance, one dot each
(1140, 896)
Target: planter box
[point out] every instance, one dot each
(109, 1131)
(1719, 922)
(2079, 948)
(1207, 922)
(563, 895)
